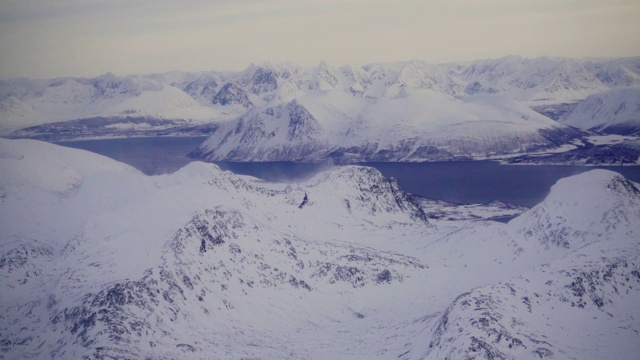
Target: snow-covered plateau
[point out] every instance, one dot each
(98, 260)
(404, 111)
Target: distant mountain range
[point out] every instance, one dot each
(405, 111)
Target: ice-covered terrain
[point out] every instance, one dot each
(417, 126)
(594, 150)
(405, 111)
(100, 261)
(616, 111)
(108, 105)
(410, 111)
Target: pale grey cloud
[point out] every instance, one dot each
(88, 37)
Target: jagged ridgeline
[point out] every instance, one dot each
(100, 261)
(407, 111)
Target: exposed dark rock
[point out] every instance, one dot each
(263, 80)
(384, 276)
(304, 202)
(232, 94)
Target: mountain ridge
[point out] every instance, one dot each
(530, 73)
(401, 111)
(614, 111)
(206, 263)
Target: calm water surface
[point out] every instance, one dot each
(152, 155)
(459, 182)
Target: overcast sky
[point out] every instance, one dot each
(49, 38)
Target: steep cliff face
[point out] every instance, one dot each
(284, 132)
(231, 94)
(417, 127)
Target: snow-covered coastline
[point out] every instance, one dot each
(405, 111)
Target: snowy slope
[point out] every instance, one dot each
(615, 112)
(583, 306)
(562, 220)
(616, 72)
(539, 80)
(98, 260)
(431, 111)
(108, 96)
(574, 284)
(414, 125)
(409, 111)
(222, 237)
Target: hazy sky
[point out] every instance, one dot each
(49, 38)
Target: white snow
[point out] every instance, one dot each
(72, 99)
(98, 259)
(609, 139)
(325, 90)
(619, 107)
(479, 126)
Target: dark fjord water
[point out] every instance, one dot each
(465, 182)
(151, 155)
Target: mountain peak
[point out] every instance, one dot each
(364, 190)
(565, 217)
(615, 111)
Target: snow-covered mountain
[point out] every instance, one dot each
(456, 110)
(414, 125)
(98, 260)
(410, 111)
(616, 72)
(577, 302)
(141, 101)
(535, 80)
(615, 111)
